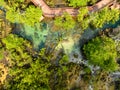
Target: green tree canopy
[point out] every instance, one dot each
(13, 42)
(32, 76)
(82, 19)
(105, 16)
(101, 51)
(17, 50)
(26, 71)
(32, 15)
(2, 2)
(76, 3)
(79, 3)
(18, 12)
(65, 22)
(97, 19)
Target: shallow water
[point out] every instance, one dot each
(37, 35)
(41, 34)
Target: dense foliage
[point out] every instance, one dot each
(78, 3)
(82, 20)
(25, 70)
(105, 16)
(101, 51)
(65, 22)
(29, 17)
(97, 19)
(20, 12)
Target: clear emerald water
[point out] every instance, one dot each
(37, 35)
(41, 34)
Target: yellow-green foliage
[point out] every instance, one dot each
(29, 16)
(64, 59)
(12, 41)
(1, 2)
(65, 21)
(82, 20)
(18, 11)
(79, 3)
(97, 19)
(82, 12)
(105, 16)
(32, 15)
(29, 72)
(101, 51)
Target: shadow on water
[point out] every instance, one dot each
(36, 35)
(112, 25)
(92, 33)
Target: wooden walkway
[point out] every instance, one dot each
(52, 12)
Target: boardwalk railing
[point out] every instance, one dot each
(52, 12)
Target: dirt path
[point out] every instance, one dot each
(52, 12)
